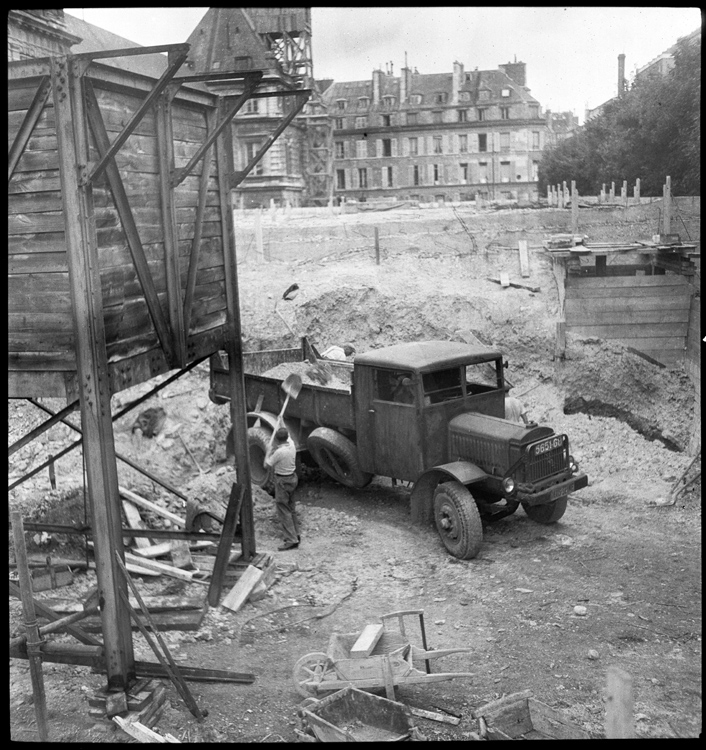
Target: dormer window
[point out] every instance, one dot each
(415, 99)
(388, 101)
(340, 104)
(252, 106)
(464, 96)
(440, 98)
(363, 102)
(483, 95)
(505, 92)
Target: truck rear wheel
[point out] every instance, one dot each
(261, 475)
(337, 456)
(548, 512)
(457, 520)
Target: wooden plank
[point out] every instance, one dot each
(659, 292)
(154, 550)
(160, 568)
(576, 316)
(134, 521)
(619, 304)
(147, 505)
(41, 361)
(433, 716)
(238, 595)
(35, 223)
(550, 722)
(153, 604)
(588, 282)
(618, 330)
(524, 258)
(37, 263)
(37, 161)
(367, 641)
(44, 242)
(619, 705)
(22, 136)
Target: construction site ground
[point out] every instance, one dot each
(635, 566)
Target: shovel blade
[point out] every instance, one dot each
(292, 385)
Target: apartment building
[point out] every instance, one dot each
(437, 137)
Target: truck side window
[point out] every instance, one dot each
(481, 378)
(442, 385)
(394, 385)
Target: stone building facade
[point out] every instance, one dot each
(37, 33)
(437, 137)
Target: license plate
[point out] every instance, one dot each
(547, 445)
(558, 492)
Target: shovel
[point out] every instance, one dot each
(291, 385)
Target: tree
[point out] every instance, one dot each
(652, 131)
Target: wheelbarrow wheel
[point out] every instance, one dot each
(310, 671)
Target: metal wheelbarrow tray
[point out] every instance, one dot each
(521, 717)
(390, 660)
(352, 715)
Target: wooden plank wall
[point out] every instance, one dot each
(41, 344)
(649, 313)
(40, 327)
(693, 368)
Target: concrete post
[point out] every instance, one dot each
(667, 201)
(636, 192)
(624, 192)
(549, 195)
(612, 192)
(574, 210)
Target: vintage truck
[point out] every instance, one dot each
(430, 413)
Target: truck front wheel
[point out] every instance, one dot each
(337, 456)
(548, 512)
(457, 520)
(261, 475)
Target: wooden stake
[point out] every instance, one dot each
(574, 212)
(377, 246)
(34, 639)
(524, 258)
(619, 705)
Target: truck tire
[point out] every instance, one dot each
(261, 475)
(337, 456)
(548, 512)
(457, 520)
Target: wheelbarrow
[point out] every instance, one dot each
(380, 656)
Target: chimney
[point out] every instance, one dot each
(405, 84)
(377, 78)
(621, 74)
(457, 81)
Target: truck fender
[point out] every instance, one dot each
(269, 420)
(420, 500)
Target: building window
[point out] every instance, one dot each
(363, 102)
(252, 106)
(363, 177)
(361, 122)
(482, 141)
(386, 147)
(412, 118)
(535, 171)
(413, 147)
(437, 174)
(388, 102)
(481, 115)
(464, 173)
(437, 145)
(463, 115)
(415, 174)
(504, 171)
(534, 111)
(386, 121)
(341, 104)
(504, 113)
(436, 116)
(389, 177)
(505, 93)
(251, 149)
(415, 99)
(483, 171)
(463, 144)
(504, 142)
(483, 95)
(464, 96)
(340, 150)
(440, 98)
(361, 149)
(339, 123)
(535, 140)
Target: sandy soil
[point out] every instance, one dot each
(635, 568)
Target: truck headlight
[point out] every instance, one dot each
(573, 465)
(509, 485)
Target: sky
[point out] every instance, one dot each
(571, 53)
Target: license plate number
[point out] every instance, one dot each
(558, 492)
(547, 445)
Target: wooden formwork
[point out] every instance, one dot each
(121, 262)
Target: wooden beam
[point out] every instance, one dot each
(196, 242)
(250, 84)
(619, 705)
(129, 225)
(230, 522)
(147, 505)
(28, 124)
(92, 367)
(234, 349)
(165, 149)
(239, 594)
(165, 78)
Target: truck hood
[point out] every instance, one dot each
(473, 423)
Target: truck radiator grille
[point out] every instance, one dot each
(544, 465)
